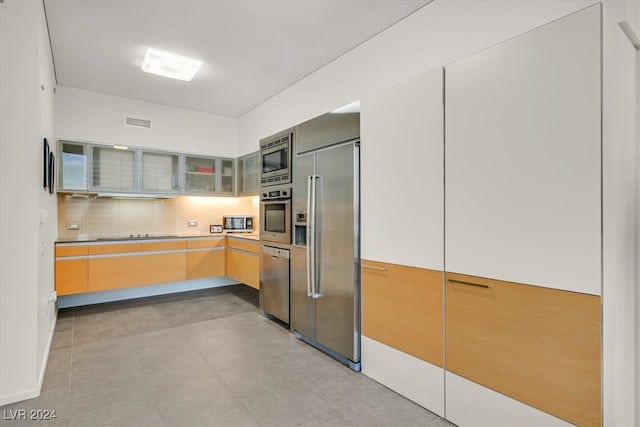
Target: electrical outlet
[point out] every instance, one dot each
(73, 226)
(192, 223)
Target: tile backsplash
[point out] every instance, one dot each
(123, 217)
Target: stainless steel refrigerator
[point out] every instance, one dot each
(325, 255)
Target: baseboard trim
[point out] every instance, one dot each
(45, 356)
(30, 394)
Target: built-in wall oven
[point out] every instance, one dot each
(275, 214)
(275, 159)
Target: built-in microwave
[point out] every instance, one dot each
(275, 159)
(237, 223)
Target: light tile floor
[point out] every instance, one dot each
(203, 358)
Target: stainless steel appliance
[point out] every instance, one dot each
(275, 159)
(275, 214)
(237, 223)
(274, 282)
(325, 256)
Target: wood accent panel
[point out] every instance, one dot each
(214, 242)
(202, 264)
(163, 245)
(244, 267)
(71, 276)
(402, 308)
(244, 245)
(114, 248)
(129, 271)
(537, 345)
(71, 250)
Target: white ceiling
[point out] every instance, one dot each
(251, 50)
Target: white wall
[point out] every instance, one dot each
(437, 34)
(26, 274)
(97, 117)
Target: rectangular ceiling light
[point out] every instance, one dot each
(170, 65)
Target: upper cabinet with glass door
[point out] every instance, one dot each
(248, 173)
(73, 171)
(208, 175)
(160, 172)
(114, 169)
(227, 176)
(119, 169)
(200, 175)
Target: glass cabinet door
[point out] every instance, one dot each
(73, 170)
(160, 172)
(113, 169)
(226, 184)
(200, 174)
(248, 173)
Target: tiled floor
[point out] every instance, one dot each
(204, 358)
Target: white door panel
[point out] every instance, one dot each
(523, 158)
(402, 173)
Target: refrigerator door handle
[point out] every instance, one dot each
(309, 253)
(317, 278)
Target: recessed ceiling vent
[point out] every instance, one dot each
(139, 123)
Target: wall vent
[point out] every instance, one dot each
(139, 123)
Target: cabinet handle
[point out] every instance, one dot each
(462, 282)
(374, 267)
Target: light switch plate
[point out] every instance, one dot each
(73, 226)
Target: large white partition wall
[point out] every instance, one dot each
(28, 214)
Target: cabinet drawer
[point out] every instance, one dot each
(537, 345)
(72, 250)
(164, 245)
(71, 276)
(114, 248)
(214, 242)
(244, 245)
(402, 308)
(135, 270)
(205, 263)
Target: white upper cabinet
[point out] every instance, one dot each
(402, 173)
(523, 158)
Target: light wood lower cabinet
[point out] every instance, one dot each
(537, 345)
(402, 308)
(71, 276)
(122, 271)
(205, 262)
(102, 266)
(71, 269)
(244, 267)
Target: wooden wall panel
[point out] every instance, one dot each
(538, 345)
(402, 308)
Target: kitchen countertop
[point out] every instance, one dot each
(87, 239)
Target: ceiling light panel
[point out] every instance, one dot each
(167, 64)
